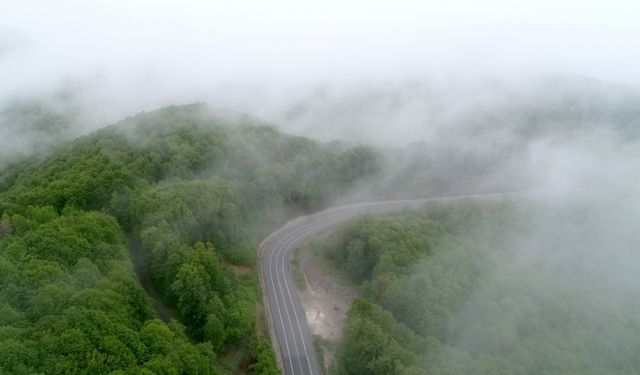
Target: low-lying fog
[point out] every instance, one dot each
(462, 97)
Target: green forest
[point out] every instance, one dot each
(132, 250)
(490, 287)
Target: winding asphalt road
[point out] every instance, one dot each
(287, 320)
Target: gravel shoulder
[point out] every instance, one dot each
(325, 300)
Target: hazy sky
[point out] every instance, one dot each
(189, 44)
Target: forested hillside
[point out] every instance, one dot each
(31, 126)
(466, 137)
(184, 195)
(492, 288)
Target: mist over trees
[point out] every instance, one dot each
(451, 109)
(438, 136)
(189, 191)
(130, 248)
(455, 136)
(189, 195)
(31, 126)
(534, 287)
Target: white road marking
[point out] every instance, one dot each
(283, 247)
(318, 223)
(286, 342)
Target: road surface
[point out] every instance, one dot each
(288, 327)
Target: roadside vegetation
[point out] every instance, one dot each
(490, 288)
(189, 195)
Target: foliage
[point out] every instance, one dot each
(467, 288)
(71, 303)
(190, 194)
(265, 363)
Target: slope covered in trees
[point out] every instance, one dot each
(189, 194)
(71, 302)
(492, 288)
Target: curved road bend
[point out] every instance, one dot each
(287, 320)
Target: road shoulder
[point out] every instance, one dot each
(326, 301)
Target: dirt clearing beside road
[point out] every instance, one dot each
(325, 300)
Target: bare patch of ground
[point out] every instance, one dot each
(326, 302)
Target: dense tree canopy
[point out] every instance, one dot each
(72, 304)
(189, 195)
(480, 288)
